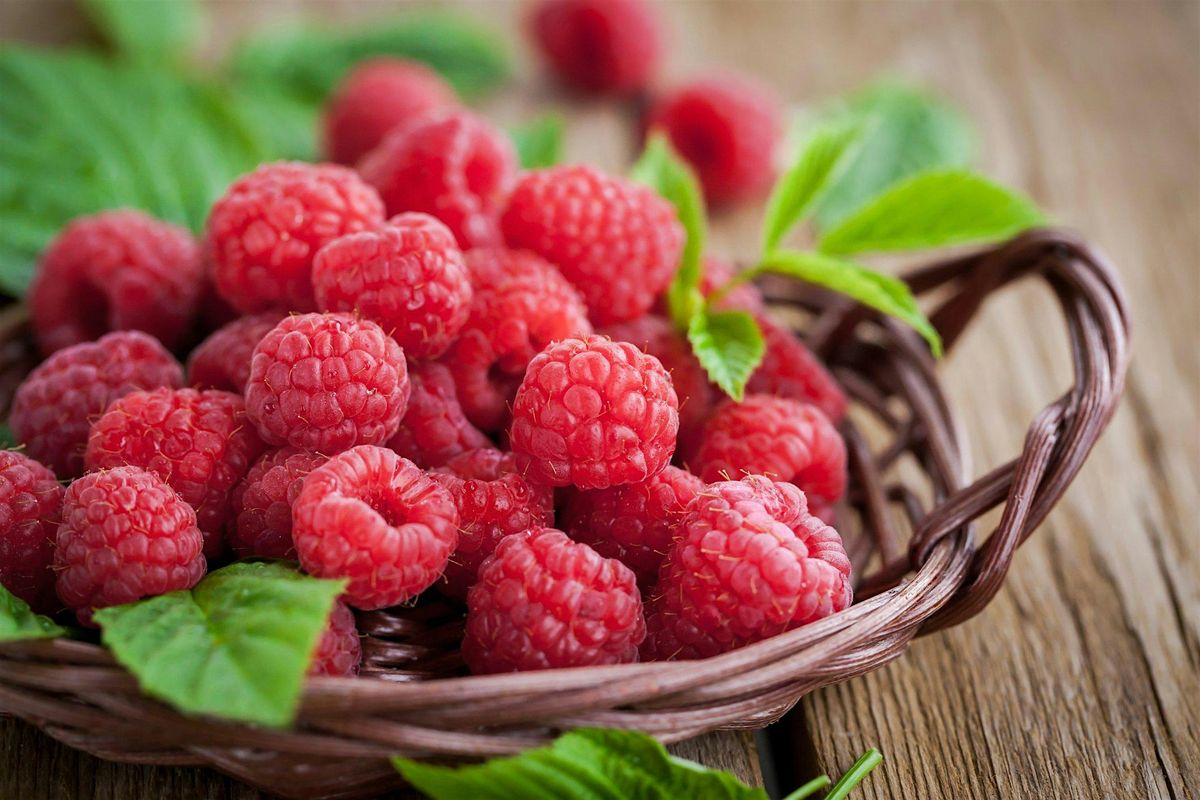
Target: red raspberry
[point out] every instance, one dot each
(745, 297)
(778, 437)
(327, 382)
(594, 413)
(617, 242)
(522, 303)
(263, 233)
(728, 128)
(790, 369)
(434, 429)
(407, 275)
(750, 562)
(260, 506)
(222, 361)
(451, 164)
(375, 518)
(543, 601)
(493, 501)
(30, 509)
(198, 442)
(634, 523)
(125, 535)
(339, 649)
(54, 408)
(599, 46)
(116, 270)
(377, 96)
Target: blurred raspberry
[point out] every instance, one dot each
(222, 361)
(339, 649)
(790, 369)
(260, 506)
(599, 46)
(30, 509)
(434, 429)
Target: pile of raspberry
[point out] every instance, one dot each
(443, 376)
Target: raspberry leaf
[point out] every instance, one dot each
(933, 209)
(149, 31)
(729, 345)
(539, 144)
(237, 645)
(17, 620)
(826, 155)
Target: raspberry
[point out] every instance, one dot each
(406, 274)
(599, 46)
(750, 562)
(116, 270)
(778, 437)
(338, 650)
(745, 297)
(263, 233)
(543, 601)
(376, 519)
(522, 303)
(790, 369)
(434, 429)
(727, 127)
(617, 242)
(377, 96)
(222, 361)
(451, 164)
(327, 382)
(198, 442)
(124, 535)
(260, 506)
(493, 501)
(634, 523)
(594, 413)
(54, 408)
(30, 509)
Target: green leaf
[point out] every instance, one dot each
(154, 31)
(826, 155)
(539, 144)
(661, 168)
(881, 292)
(729, 345)
(237, 645)
(7, 440)
(585, 764)
(933, 209)
(905, 131)
(17, 621)
(309, 60)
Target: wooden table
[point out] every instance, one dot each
(1080, 680)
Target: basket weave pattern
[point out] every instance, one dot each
(921, 565)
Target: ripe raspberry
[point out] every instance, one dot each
(198, 442)
(378, 95)
(54, 408)
(746, 297)
(339, 649)
(433, 429)
(617, 242)
(750, 562)
(124, 535)
(116, 270)
(727, 127)
(451, 164)
(543, 601)
(407, 275)
(634, 523)
(784, 439)
(594, 413)
(790, 369)
(599, 46)
(522, 303)
(372, 517)
(260, 506)
(222, 361)
(263, 233)
(30, 509)
(327, 382)
(493, 501)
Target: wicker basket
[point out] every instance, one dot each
(921, 564)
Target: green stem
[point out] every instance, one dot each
(745, 276)
(812, 787)
(866, 762)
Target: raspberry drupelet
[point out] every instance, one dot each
(30, 509)
(222, 361)
(434, 428)
(607, 47)
(260, 506)
(790, 369)
(339, 650)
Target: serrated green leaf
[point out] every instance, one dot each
(17, 621)
(933, 209)
(881, 292)
(155, 31)
(237, 645)
(539, 143)
(825, 156)
(585, 764)
(729, 345)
